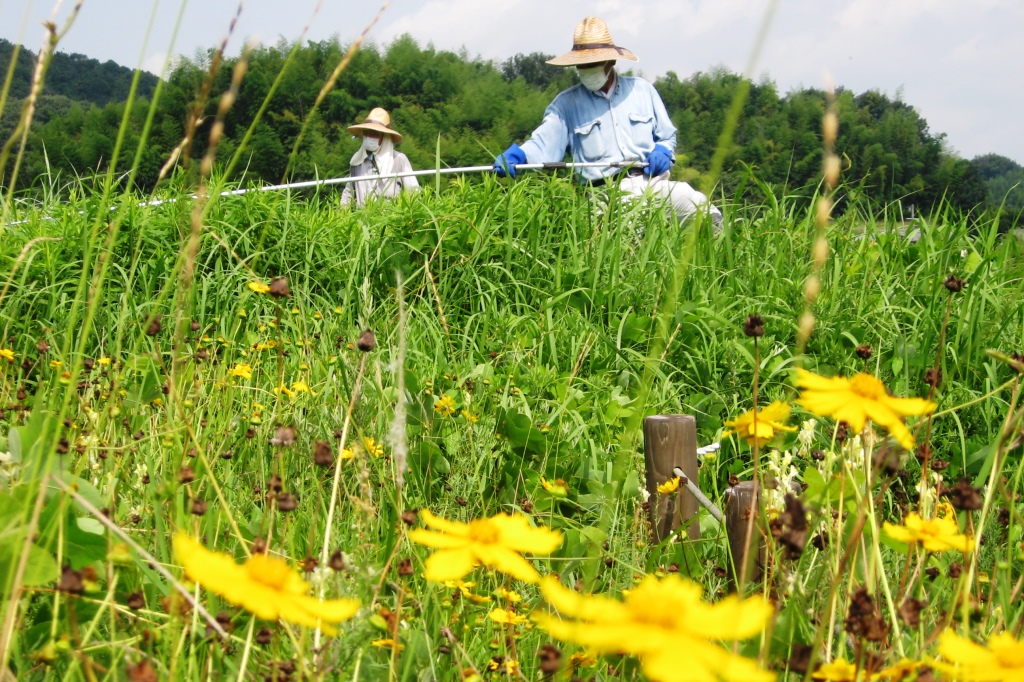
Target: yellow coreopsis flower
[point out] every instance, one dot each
(666, 624)
(388, 643)
(7, 354)
(242, 370)
(769, 421)
(506, 617)
(373, 447)
(858, 399)
(300, 387)
(557, 488)
(935, 535)
(497, 542)
(1001, 661)
(466, 590)
(669, 486)
(259, 287)
(284, 389)
(839, 670)
(470, 417)
(898, 671)
(445, 406)
(265, 585)
(508, 595)
(103, 361)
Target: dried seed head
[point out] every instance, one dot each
(227, 454)
(323, 454)
(287, 502)
(155, 327)
(275, 483)
(88, 364)
(43, 347)
(864, 352)
(824, 211)
(194, 326)
(136, 601)
(259, 546)
(264, 637)
(933, 377)
(337, 561)
(963, 496)
(198, 506)
(842, 432)
(409, 516)
(550, 659)
(142, 672)
(405, 568)
(366, 341)
(186, 475)
(954, 570)
(754, 326)
(309, 564)
(279, 287)
(954, 284)
(284, 436)
(70, 581)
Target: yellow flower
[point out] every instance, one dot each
(338, 310)
(294, 311)
(317, 315)
(265, 346)
(103, 361)
(300, 387)
(373, 447)
(508, 595)
(241, 370)
(466, 589)
(839, 670)
(769, 420)
(669, 486)
(284, 389)
(265, 585)
(259, 287)
(347, 453)
(470, 417)
(445, 406)
(506, 617)
(1001, 661)
(556, 488)
(55, 364)
(858, 399)
(389, 643)
(897, 671)
(7, 354)
(496, 542)
(936, 535)
(666, 624)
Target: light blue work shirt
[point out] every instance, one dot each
(623, 127)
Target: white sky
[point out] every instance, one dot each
(958, 62)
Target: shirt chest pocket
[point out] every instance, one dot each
(588, 137)
(642, 128)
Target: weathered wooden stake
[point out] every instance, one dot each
(745, 550)
(670, 441)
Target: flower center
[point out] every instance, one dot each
(268, 570)
(483, 532)
(867, 386)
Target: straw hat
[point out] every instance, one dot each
(378, 121)
(591, 43)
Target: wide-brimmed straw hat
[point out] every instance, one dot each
(592, 43)
(378, 121)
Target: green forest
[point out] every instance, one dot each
(472, 109)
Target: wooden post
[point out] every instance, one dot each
(670, 441)
(740, 507)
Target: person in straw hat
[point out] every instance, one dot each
(609, 118)
(377, 156)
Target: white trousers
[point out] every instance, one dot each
(680, 198)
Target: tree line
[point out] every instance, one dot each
(472, 109)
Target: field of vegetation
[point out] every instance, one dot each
(266, 437)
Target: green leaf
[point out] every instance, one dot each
(40, 570)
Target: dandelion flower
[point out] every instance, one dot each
(259, 287)
(669, 486)
(839, 670)
(497, 542)
(242, 370)
(506, 617)
(1001, 661)
(666, 624)
(769, 421)
(936, 535)
(445, 406)
(859, 399)
(300, 387)
(265, 585)
(7, 354)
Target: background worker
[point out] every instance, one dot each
(609, 118)
(377, 156)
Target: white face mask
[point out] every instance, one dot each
(592, 78)
(371, 144)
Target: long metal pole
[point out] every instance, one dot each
(407, 174)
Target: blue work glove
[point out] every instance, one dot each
(509, 159)
(658, 161)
